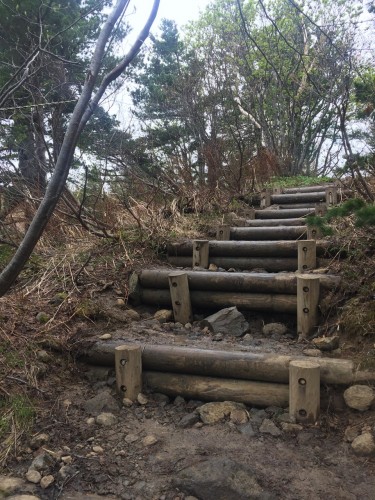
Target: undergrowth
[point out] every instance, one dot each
(297, 181)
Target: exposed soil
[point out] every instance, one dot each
(311, 463)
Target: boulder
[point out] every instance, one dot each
(220, 479)
(227, 321)
(359, 397)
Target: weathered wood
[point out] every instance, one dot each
(223, 232)
(200, 253)
(296, 198)
(283, 214)
(307, 251)
(320, 209)
(304, 391)
(128, 366)
(274, 222)
(267, 263)
(213, 300)
(179, 297)
(233, 282)
(313, 233)
(277, 190)
(227, 364)
(308, 290)
(297, 206)
(265, 199)
(268, 233)
(248, 213)
(307, 189)
(331, 196)
(218, 389)
(233, 248)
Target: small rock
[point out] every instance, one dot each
(178, 325)
(106, 419)
(103, 401)
(228, 320)
(274, 329)
(359, 397)
(23, 497)
(131, 438)
(268, 427)
(43, 356)
(120, 302)
(67, 459)
(42, 462)
(9, 485)
(46, 481)
(42, 317)
(239, 416)
(39, 440)
(213, 413)
(97, 449)
(142, 400)
(149, 440)
(218, 337)
(313, 353)
(247, 430)
(364, 445)
(212, 267)
(179, 401)
(291, 428)
(65, 472)
(188, 420)
(350, 434)
(163, 315)
(105, 336)
(33, 476)
(90, 421)
(287, 418)
(163, 399)
(127, 402)
(327, 343)
(248, 338)
(188, 326)
(133, 315)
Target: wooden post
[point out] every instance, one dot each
(308, 289)
(304, 391)
(320, 209)
(265, 199)
(180, 295)
(313, 233)
(223, 232)
(306, 255)
(277, 190)
(128, 363)
(331, 196)
(248, 213)
(240, 222)
(200, 253)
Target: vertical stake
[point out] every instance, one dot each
(313, 233)
(320, 209)
(331, 196)
(200, 253)
(277, 190)
(248, 213)
(223, 232)
(304, 391)
(180, 296)
(128, 363)
(306, 255)
(308, 289)
(265, 199)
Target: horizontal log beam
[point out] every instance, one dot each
(218, 389)
(283, 214)
(234, 282)
(227, 364)
(214, 300)
(274, 222)
(244, 249)
(314, 197)
(307, 189)
(268, 233)
(268, 264)
(297, 206)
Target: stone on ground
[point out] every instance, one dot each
(359, 397)
(269, 427)
(103, 401)
(164, 315)
(364, 445)
(274, 329)
(46, 481)
(106, 419)
(33, 476)
(327, 343)
(39, 440)
(221, 479)
(9, 485)
(213, 413)
(228, 321)
(42, 462)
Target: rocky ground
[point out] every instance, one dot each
(87, 444)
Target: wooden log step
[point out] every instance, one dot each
(300, 206)
(218, 389)
(268, 233)
(284, 214)
(285, 283)
(227, 364)
(307, 189)
(274, 222)
(269, 264)
(215, 300)
(310, 197)
(216, 248)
